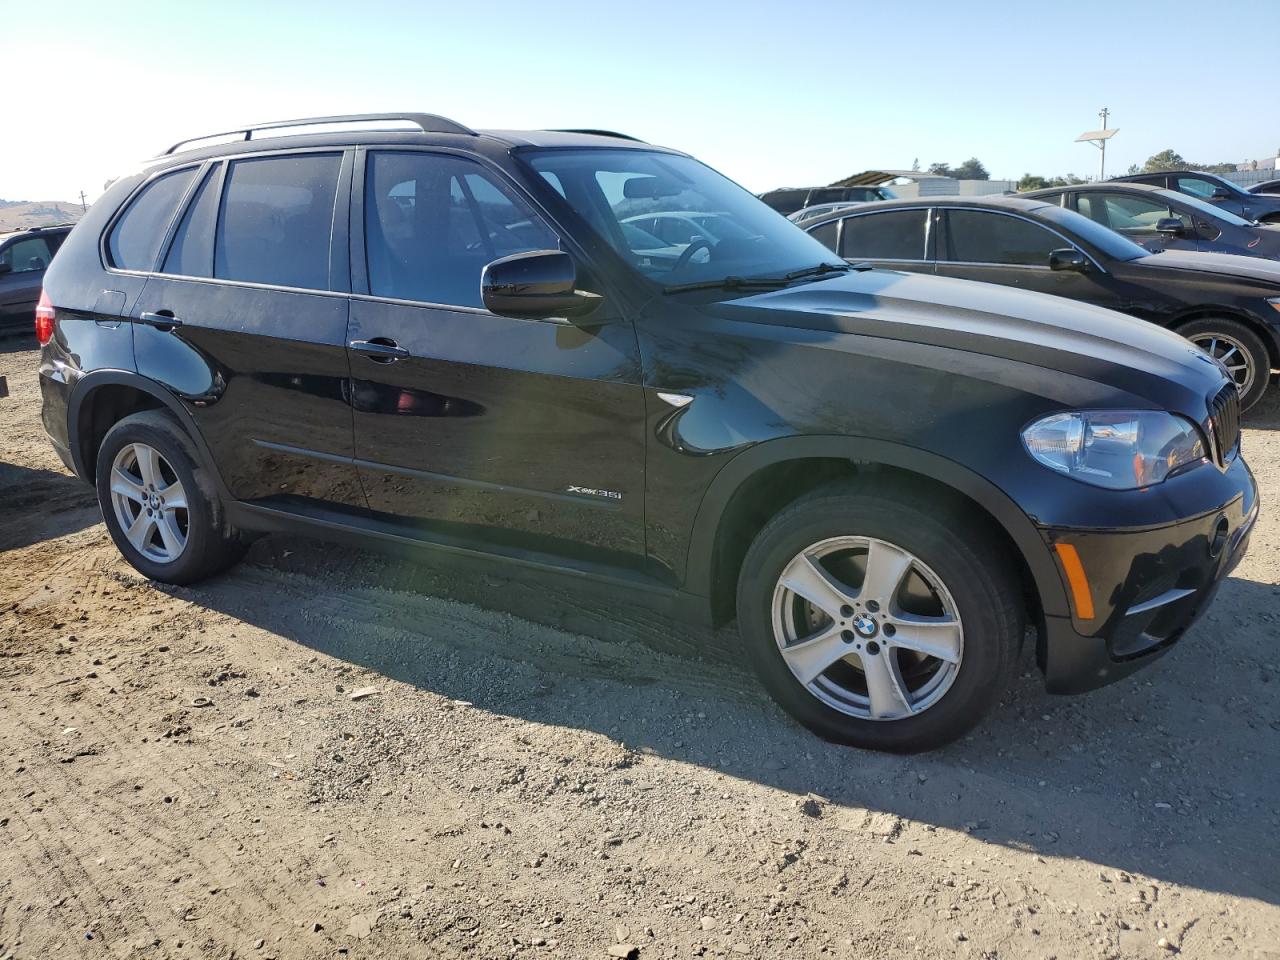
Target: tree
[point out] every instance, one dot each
(1069, 180)
(972, 169)
(1164, 160)
(1032, 182)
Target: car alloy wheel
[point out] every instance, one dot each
(150, 503)
(867, 628)
(1232, 354)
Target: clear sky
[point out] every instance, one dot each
(799, 92)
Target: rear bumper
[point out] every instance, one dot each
(1147, 586)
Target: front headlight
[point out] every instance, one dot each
(1116, 449)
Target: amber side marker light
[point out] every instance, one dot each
(1080, 592)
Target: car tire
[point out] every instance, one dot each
(979, 590)
(1226, 338)
(160, 503)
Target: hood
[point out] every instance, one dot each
(1223, 264)
(1059, 335)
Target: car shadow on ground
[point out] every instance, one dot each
(1265, 414)
(12, 341)
(1170, 774)
(40, 505)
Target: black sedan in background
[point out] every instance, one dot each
(1160, 219)
(1266, 186)
(1227, 305)
(1211, 188)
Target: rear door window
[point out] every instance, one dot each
(976, 236)
(892, 235)
(276, 220)
(135, 240)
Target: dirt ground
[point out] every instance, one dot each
(545, 771)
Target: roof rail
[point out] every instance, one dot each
(600, 133)
(427, 122)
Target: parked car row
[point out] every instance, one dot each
(572, 350)
(1227, 305)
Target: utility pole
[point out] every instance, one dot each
(1102, 163)
(1099, 139)
(83, 207)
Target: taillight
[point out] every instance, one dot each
(44, 318)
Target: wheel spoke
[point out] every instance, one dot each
(1228, 353)
(139, 532)
(885, 689)
(174, 496)
(806, 578)
(148, 464)
(812, 655)
(126, 486)
(886, 568)
(936, 637)
(171, 536)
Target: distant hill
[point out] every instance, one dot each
(25, 214)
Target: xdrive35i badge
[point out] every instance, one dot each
(595, 492)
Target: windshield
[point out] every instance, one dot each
(711, 228)
(1208, 209)
(1113, 244)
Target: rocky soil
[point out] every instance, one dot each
(330, 753)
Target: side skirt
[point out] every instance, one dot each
(376, 533)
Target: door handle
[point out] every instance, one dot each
(161, 321)
(380, 349)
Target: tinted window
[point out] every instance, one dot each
(277, 213)
(26, 256)
(192, 252)
(135, 240)
(433, 222)
(975, 236)
(894, 235)
(825, 234)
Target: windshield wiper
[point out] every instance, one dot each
(762, 283)
(730, 283)
(823, 269)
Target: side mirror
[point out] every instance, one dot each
(537, 285)
(6, 267)
(1068, 258)
(1171, 225)
(1220, 193)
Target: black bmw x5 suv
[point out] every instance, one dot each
(450, 338)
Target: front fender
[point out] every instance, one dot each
(1012, 519)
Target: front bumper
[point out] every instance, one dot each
(1147, 587)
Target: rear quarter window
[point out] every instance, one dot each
(135, 239)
